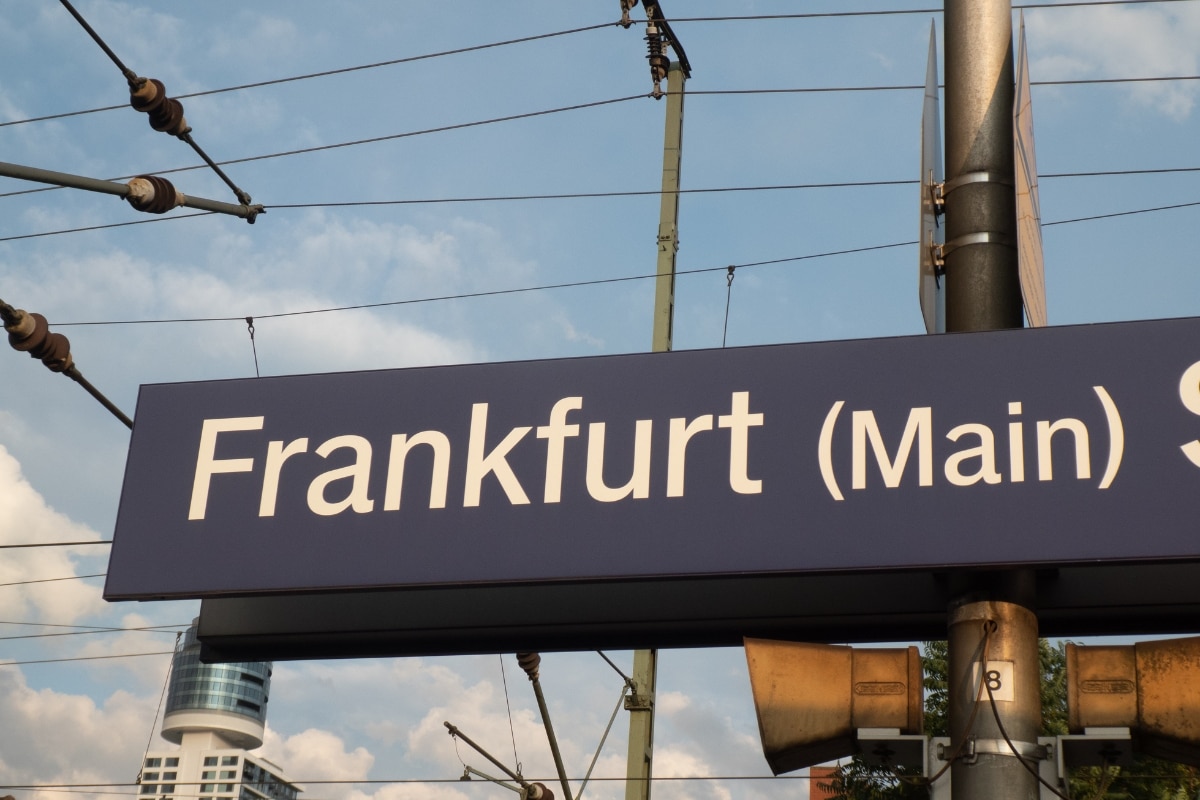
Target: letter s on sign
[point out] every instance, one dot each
(1189, 393)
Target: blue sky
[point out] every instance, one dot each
(62, 455)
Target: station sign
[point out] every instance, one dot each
(685, 473)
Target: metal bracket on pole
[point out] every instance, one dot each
(639, 701)
(1000, 747)
(980, 237)
(973, 177)
(937, 195)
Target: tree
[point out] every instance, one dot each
(1148, 779)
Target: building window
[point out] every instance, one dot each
(149, 788)
(229, 761)
(210, 761)
(153, 762)
(150, 776)
(172, 762)
(169, 776)
(208, 787)
(167, 788)
(210, 775)
(226, 787)
(228, 774)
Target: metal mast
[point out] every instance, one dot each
(992, 627)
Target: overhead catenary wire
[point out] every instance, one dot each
(383, 138)
(577, 284)
(610, 194)
(598, 103)
(910, 11)
(46, 580)
(330, 72)
(91, 633)
(537, 37)
(83, 658)
(181, 625)
(485, 293)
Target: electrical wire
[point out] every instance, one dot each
(162, 696)
(83, 658)
(986, 678)
(580, 106)
(574, 284)
(328, 72)
(537, 37)
(492, 292)
(94, 627)
(1120, 214)
(585, 196)
(610, 194)
(49, 580)
(910, 11)
(106, 226)
(594, 195)
(372, 139)
(714, 92)
(88, 633)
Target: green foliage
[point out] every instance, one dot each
(861, 781)
(1147, 779)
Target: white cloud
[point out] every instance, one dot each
(1112, 41)
(317, 755)
(50, 737)
(25, 518)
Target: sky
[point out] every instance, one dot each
(72, 256)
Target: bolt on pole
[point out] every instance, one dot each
(992, 627)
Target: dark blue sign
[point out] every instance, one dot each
(1033, 447)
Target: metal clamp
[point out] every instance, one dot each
(974, 177)
(980, 237)
(1000, 747)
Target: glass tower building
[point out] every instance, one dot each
(215, 713)
(229, 700)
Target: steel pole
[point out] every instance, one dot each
(994, 645)
(668, 214)
(640, 760)
(992, 628)
(983, 290)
